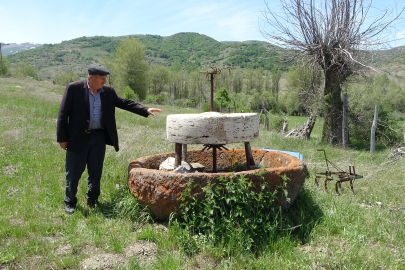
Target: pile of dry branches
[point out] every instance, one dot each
(304, 131)
(397, 153)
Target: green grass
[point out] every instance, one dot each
(335, 232)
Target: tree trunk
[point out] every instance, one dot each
(332, 127)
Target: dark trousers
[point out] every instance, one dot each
(91, 155)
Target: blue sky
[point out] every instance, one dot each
(51, 21)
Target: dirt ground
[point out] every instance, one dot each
(144, 251)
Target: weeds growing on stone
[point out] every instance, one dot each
(231, 212)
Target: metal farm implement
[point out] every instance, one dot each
(339, 176)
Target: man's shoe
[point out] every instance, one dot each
(69, 209)
(92, 203)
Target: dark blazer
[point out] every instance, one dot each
(74, 114)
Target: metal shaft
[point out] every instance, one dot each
(212, 92)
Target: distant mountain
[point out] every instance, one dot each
(16, 47)
(182, 51)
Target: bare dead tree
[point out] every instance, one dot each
(331, 33)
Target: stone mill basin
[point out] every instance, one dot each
(161, 190)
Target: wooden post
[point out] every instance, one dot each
(185, 152)
(284, 129)
(345, 124)
(260, 116)
(177, 159)
(266, 121)
(212, 92)
(373, 129)
(250, 105)
(249, 156)
(229, 109)
(214, 159)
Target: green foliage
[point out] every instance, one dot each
(276, 122)
(304, 90)
(65, 78)
(192, 102)
(388, 131)
(158, 78)
(130, 94)
(24, 69)
(363, 96)
(275, 80)
(291, 103)
(5, 70)
(129, 67)
(253, 55)
(216, 104)
(222, 93)
(126, 206)
(232, 212)
(180, 52)
(155, 99)
(264, 100)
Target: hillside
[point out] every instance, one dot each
(13, 48)
(182, 51)
(394, 66)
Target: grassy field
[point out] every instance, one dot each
(364, 230)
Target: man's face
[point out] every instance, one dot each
(97, 81)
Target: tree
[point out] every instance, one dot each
(158, 78)
(304, 94)
(199, 85)
(275, 80)
(222, 93)
(237, 81)
(254, 80)
(6, 72)
(24, 69)
(129, 67)
(331, 34)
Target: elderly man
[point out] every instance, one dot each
(86, 123)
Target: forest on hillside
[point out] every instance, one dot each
(254, 75)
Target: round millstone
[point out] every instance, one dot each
(212, 128)
(162, 191)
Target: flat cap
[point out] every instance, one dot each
(97, 69)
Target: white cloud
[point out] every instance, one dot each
(400, 35)
(240, 25)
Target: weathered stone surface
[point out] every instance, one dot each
(198, 167)
(168, 165)
(184, 169)
(212, 128)
(161, 190)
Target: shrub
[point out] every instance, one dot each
(276, 122)
(5, 69)
(24, 70)
(155, 99)
(231, 213)
(130, 94)
(388, 131)
(397, 115)
(65, 78)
